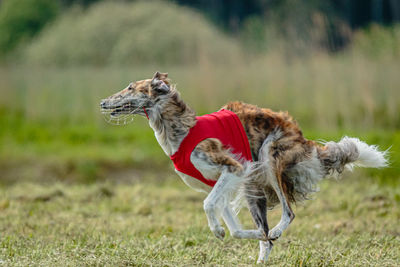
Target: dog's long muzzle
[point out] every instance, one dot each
(117, 114)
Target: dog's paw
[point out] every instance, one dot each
(260, 235)
(261, 261)
(219, 232)
(275, 233)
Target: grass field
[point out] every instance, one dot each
(153, 221)
(77, 191)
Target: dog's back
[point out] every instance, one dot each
(300, 163)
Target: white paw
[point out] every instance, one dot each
(275, 233)
(261, 261)
(219, 232)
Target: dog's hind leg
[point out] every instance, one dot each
(274, 179)
(265, 250)
(287, 213)
(258, 209)
(257, 203)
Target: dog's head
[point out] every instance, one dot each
(138, 96)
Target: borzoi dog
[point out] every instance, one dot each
(241, 148)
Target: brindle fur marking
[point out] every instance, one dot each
(291, 164)
(290, 149)
(213, 151)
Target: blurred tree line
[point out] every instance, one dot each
(357, 13)
(232, 14)
(328, 23)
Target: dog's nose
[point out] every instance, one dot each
(103, 104)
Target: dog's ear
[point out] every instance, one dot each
(161, 76)
(160, 83)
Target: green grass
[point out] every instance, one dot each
(154, 221)
(75, 190)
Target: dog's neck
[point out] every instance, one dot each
(171, 120)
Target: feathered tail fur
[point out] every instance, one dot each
(350, 152)
(315, 162)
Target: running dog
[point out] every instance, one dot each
(241, 148)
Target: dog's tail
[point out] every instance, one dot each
(351, 152)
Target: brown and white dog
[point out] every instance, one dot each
(286, 167)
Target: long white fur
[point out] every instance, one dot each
(306, 175)
(369, 155)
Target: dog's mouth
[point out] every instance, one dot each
(120, 112)
(115, 110)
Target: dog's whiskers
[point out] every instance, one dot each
(121, 119)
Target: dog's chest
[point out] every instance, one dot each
(194, 183)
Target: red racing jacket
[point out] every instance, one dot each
(223, 125)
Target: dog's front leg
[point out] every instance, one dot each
(218, 199)
(235, 228)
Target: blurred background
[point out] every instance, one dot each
(334, 65)
(76, 191)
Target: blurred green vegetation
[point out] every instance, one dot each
(129, 32)
(326, 24)
(126, 34)
(21, 20)
(51, 84)
(51, 127)
(378, 42)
